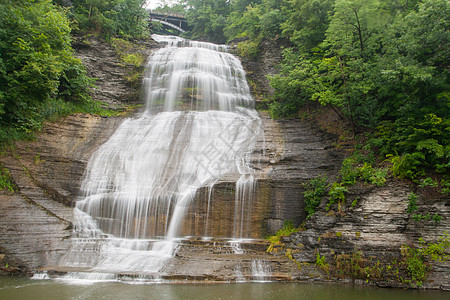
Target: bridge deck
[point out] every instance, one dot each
(176, 21)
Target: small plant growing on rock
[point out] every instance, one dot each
(357, 266)
(6, 182)
(412, 208)
(355, 202)
(321, 262)
(337, 194)
(428, 182)
(275, 240)
(378, 177)
(417, 260)
(412, 204)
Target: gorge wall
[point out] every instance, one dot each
(35, 221)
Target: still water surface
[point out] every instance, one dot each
(19, 289)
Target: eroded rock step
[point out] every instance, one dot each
(206, 260)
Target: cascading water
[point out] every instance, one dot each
(199, 126)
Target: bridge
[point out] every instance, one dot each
(175, 21)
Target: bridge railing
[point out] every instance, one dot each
(176, 15)
(176, 21)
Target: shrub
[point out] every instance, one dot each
(315, 190)
(410, 165)
(275, 240)
(415, 259)
(6, 182)
(379, 176)
(249, 49)
(352, 170)
(348, 172)
(337, 194)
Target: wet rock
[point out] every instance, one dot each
(377, 228)
(35, 222)
(104, 65)
(49, 171)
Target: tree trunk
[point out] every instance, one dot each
(359, 31)
(348, 100)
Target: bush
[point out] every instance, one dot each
(315, 190)
(415, 260)
(410, 165)
(351, 169)
(37, 64)
(249, 49)
(6, 182)
(337, 194)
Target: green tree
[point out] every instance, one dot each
(259, 20)
(382, 65)
(36, 62)
(247, 24)
(208, 19)
(177, 8)
(111, 17)
(414, 86)
(353, 24)
(239, 6)
(130, 17)
(307, 22)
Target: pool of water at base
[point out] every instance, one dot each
(19, 289)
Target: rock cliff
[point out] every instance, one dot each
(35, 221)
(373, 232)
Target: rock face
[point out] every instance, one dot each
(104, 65)
(35, 221)
(257, 71)
(376, 229)
(48, 172)
(295, 152)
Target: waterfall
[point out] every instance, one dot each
(261, 270)
(199, 127)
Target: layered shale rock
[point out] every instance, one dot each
(37, 218)
(36, 221)
(377, 229)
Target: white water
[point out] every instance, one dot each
(260, 271)
(199, 126)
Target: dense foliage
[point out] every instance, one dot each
(38, 72)
(381, 65)
(39, 76)
(109, 17)
(208, 17)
